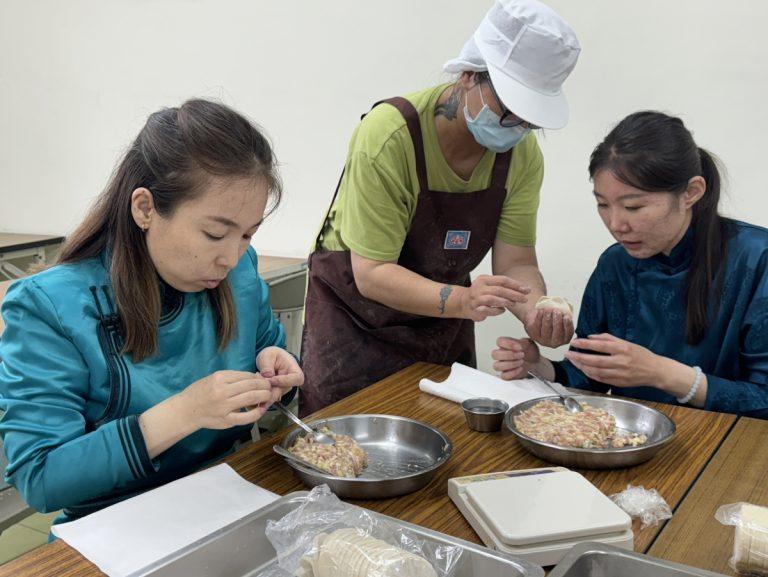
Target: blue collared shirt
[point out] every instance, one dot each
(642, 301)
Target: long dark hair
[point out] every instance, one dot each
(174, 155)
(655, 152)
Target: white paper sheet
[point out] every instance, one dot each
(127, 537)
(466, 383)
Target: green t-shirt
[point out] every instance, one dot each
(380, 189)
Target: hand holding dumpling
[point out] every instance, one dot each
(280, 368)
(550, 322)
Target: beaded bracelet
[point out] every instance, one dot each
(694, 387)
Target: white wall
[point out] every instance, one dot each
(78, 78)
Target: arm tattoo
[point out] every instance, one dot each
(451, 106)
(445, 292)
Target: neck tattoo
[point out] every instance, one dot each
(450, 107)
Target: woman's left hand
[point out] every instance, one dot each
(280, 368)
(622, 364)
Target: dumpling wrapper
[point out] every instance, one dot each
(751, 540)
(559, 303)
(349, 553)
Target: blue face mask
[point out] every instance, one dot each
(489, 133)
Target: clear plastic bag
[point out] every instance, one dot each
(646, 504)
(325, 537)
(750, 543)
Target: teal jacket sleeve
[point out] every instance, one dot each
(54, 460)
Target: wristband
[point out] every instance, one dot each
(694, 387)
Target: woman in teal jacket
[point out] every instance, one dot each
(150, 348)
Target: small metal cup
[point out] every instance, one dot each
(484, 414)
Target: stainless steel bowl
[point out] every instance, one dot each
(484, 414)
(630, 417)
(589, 559)
(403, 455)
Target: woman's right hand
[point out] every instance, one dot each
(490, 296)
(515, 357)
(217, 401)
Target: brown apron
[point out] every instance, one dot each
(350, 341)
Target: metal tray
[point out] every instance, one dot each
(403, 455)
(599, 560)
(242, 550)
(630, 417)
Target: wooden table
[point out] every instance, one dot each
(673, 471)
(738, 472)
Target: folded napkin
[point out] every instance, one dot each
(126, 538)
(466, 383)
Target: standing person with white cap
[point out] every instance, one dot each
(433, 182)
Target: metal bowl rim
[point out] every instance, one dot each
(500, 411)
(609, 451)
(445, 456)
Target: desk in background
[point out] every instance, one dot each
(3, 289)
(17, 246)
(273, 268)
(287, 280)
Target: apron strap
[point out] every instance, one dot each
(501, 163)
(410, 114)
(319, 236)
(413, 123)
(414, 128)
(500, 169)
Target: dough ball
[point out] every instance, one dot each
(558, 303)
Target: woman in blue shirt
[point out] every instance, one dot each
(150, 348)
(677, 310)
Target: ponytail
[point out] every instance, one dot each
(709, 252)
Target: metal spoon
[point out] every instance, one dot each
(288, 455)
(571, 404)
(319, 437)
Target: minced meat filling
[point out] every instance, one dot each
(344, 459)
(592, 428)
